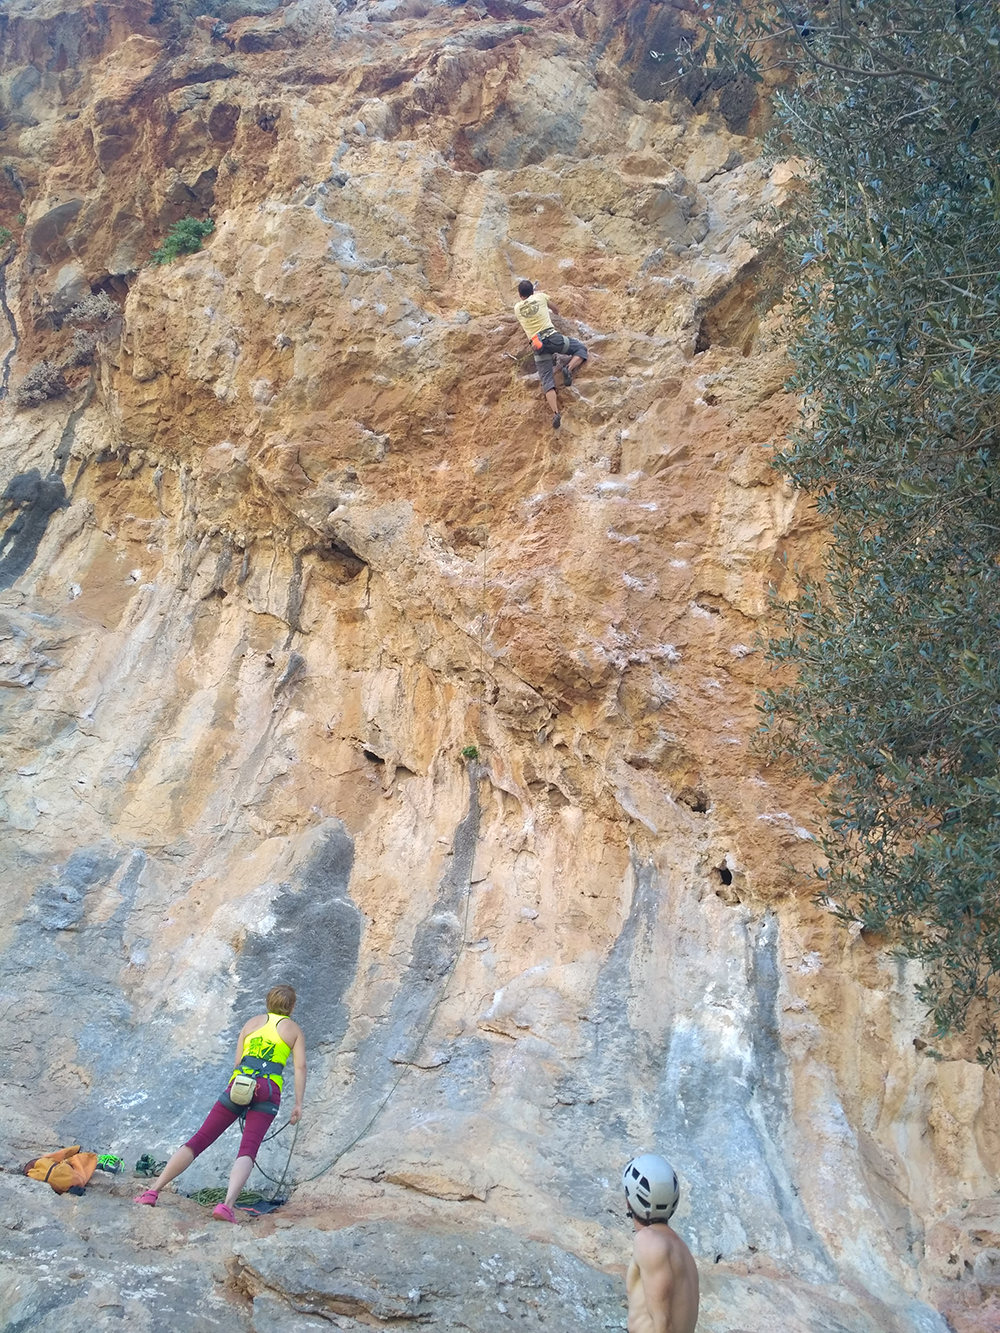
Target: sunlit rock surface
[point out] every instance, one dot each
(299, 536)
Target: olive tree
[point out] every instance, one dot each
(894, 705)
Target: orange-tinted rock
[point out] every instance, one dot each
(308, 535)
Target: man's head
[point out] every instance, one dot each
(651, 1189)
(281, 1000)
(525, 288)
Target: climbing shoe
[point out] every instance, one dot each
(223, 1213)
(147, 1165)
(556, 421)
(147, 1196)
(567, 377)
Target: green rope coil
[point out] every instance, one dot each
(213, 1194)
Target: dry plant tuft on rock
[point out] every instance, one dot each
(42, 382)
(95, 309)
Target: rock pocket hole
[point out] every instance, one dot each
(694, 798)
(372, 757)
(728, 883)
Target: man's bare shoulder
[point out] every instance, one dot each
(658, 1242)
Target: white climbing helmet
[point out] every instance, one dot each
(651, 1188)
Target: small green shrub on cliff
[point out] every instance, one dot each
(895, 702)
(5, 235)
(184, 238)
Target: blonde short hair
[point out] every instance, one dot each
(281, 1000)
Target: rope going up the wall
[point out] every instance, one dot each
(485, 474)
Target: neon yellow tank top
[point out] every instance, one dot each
(264, 1047)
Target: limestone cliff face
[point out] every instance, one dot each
(296, 535)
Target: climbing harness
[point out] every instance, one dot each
(550, 341)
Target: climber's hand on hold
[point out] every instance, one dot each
(296, 1116)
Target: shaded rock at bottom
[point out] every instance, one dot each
(488, 1280)
(482, 1280)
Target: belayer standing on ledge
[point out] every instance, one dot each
(262, 1050)
(535, 312)
(662, 1279)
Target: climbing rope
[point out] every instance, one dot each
(279, 1183)
(486, 491)
(213, 1194)
(406, 1065)
(486, 500)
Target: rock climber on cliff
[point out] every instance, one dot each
(662, 1280)
(262, 1050)
(535, 311)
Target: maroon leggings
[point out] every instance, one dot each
(220, 1118)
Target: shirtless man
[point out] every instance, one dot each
(662, 1280)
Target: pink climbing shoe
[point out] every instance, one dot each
(223, 1213)
(147, 1196)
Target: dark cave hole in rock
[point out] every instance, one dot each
(115, 285)
(347, 561)
(695, 799)
(373, 757)
(724, 873)
(704, 339)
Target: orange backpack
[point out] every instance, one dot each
(64, 1169)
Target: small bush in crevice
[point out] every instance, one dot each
(82, 349)
(184, 238)
(97, 308)
(43, 381)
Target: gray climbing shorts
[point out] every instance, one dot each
(545, 365)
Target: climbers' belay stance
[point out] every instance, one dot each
(534, 311)
(254, 1091)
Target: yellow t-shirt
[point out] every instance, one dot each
(533, 312)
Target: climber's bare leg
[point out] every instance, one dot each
(552, 398)
(180, 1161)
(574, 361)
(238, 1178)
